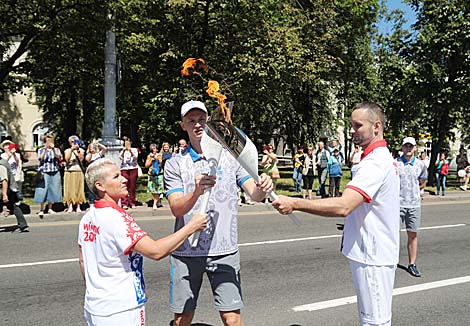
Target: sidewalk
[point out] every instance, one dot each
(144, 211)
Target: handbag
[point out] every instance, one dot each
(80, 163)
(39, 178)
(139, 171)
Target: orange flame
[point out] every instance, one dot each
(213, 91)
(193, 64)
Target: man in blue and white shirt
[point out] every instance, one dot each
(216, 253)
(413, 176)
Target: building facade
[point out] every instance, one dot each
(21, 121)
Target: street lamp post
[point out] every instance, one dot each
(109, 133)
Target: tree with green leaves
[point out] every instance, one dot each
(441, 55)
(62, 49)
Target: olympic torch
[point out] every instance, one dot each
(241, 148)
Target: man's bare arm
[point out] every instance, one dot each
(329, 207)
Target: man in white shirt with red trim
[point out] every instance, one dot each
(111, 249)
(370, 203)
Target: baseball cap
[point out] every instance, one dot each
(188, 106)
(409, 140)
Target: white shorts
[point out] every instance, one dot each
(374, 290)
(132, 317)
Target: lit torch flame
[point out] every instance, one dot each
(193, 64)
(213, 91)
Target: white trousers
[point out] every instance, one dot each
(374, 290)
(132, 317)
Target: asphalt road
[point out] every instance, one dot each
(40, 281)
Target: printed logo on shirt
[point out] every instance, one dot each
(142, 317)
(134, 232)
(90, 232)
(136, 261)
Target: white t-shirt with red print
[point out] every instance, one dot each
(372, 230)
(113, 272)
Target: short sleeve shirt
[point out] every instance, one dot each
(3, 174)
(371, 231)
(411, 175)
(220, 237)
(113, 272)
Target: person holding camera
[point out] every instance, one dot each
(95, 152)
(74, 179)
(48, 180)
(130, 171)
(299, 160)
(155, 175)
(11, 155)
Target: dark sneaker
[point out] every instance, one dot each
(413, 270)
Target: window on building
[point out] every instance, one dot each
(3, 132)
(39, 131)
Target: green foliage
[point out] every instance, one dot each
(425, 74)
(292, 68)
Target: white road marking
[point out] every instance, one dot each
(47, 262)
(441, 226)
(288, 240)
(247, 244)
(335, 236)
(404, 290)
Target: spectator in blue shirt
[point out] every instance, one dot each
(335, 170)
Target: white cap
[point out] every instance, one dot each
(409, 140)
(5, 142)
(188, 106)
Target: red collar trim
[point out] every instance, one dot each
(104, 203)
(371, 147)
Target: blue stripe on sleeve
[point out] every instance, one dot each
(174, 190)
(242, 181)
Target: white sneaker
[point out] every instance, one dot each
(463, 188)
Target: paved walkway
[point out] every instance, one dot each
(144, 211)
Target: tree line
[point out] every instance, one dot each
(292, 68)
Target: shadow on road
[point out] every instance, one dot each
(8, 228)
(172, 323)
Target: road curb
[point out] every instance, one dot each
(455, 197)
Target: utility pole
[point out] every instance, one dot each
(109, 133)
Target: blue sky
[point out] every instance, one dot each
(398, 4)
